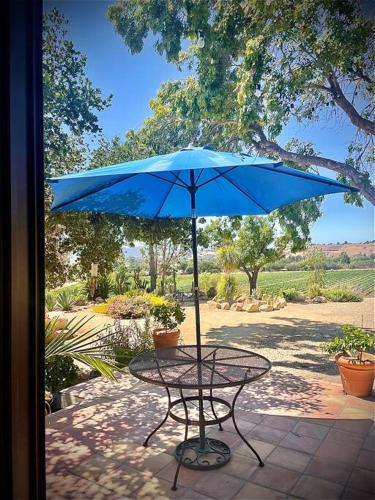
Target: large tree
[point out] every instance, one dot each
(71, 104)
(261, 64)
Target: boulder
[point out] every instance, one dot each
(280, 303)
(225, 306)
(242, 298)
(265, 308)
(99, 300)
(217, 305)
(254, 307)
(319, 299)
(237, 306)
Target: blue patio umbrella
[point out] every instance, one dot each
(191, 182)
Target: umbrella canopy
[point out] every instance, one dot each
(161, 186)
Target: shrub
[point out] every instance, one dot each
(120, 281)
(65, 300)
(104, 286)
(353, 341)
(50, 302)
(227, 287)
(168, 316)
(100, 308)
(314, 291)
(130, 340)
(208, 284)
(341, 295)
(290, 294)
(60, 373)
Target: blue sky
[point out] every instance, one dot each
(134, 80)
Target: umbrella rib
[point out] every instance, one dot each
(93, 191)
(166, 196)
(220, 174)
(167, 180)
(244, 192)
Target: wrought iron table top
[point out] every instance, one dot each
(178, 367)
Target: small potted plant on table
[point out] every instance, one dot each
(355, 365)
(167, 317)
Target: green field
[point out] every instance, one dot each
(362, 280)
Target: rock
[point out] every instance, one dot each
(99, 300)
(280, 303)
(218, 305)
(254, 307)
(80, 302)
(265, 308)
(225, 306)
(237, 306)
(319, 299)
(242, 298)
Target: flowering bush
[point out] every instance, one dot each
(132, 305)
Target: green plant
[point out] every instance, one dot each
(227, 287)
(290, 294)
(208, 284)
(100, 308)
(50, 302)
(77, 343)
(315, 262)
(169, 315)
(120, 281)
(342, 294)
(132, 305)
(130, 340)
(65, 300)
(353, 342)
(314, 291)
(60, 372)
(104, 286)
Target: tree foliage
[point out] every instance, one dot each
(71, 104)
(263, 64)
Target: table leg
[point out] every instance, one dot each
(181, 457)
(239, 432)
(145, 444)
(213, 411)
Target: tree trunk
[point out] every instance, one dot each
(358, 179)
(252, 277)
(152, 266)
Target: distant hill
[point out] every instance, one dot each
(335, 249)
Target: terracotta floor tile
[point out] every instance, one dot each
(190, 494)
(349, 438)
(282, 423)
(352, 494)
(275, 477)
(309, 429)
(362, 479)
(290, 459)
(94, 467)
(337, 472)
(328, 422)
(244, 426)
(124, 481)
(71, 487)
(217, 484)
(336, 452)
(366, 460)
(230, 438)
(369, 443)
(300, 443)
(356, 426)
(254, 491)
(263, 449)
(267, 434)
(312, 488)
(157, 489)
(241, 467)
(249, 416)
(187, 477)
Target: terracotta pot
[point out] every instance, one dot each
(165, 338)
(357, 377)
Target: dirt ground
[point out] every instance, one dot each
(289, 337)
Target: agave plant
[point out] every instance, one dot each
(90, 347)
(65, 300)
(50, 302)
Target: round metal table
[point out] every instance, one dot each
(218, 367)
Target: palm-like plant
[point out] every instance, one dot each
(90, 347)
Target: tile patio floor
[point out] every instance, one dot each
(316, 442)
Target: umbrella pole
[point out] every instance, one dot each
(193, 191)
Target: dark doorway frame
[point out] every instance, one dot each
(21, 252)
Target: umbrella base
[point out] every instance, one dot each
(213, 455)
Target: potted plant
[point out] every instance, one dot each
(355, 367)
(167, 318)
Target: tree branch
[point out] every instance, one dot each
(264, 146)
(341, 101)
